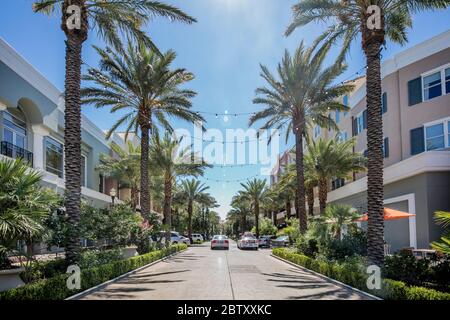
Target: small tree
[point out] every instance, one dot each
(266, 227)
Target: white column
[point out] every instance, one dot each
(39, 132)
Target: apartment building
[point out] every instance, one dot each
(32, 127)
(416, 128)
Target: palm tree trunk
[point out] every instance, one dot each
(134, 197)
(287, 207)
(300, 177)
(167, 210)
(310, 197)
(323, 194)
(190, 208)
(375, 227)
(257, 218)
(72, 130)
(145, 181)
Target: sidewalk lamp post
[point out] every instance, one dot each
(113, 194)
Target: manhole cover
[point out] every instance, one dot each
(244, 269)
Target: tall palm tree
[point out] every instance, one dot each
(254, 192)
(124, 167)
(349, 19)
(166, 155)
(303, 95)
(140, 82)
(193, 191)
(110, 19)
(332, 159)
(241, 210)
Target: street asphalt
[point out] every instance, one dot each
(201, 273)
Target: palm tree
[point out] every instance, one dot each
(241, 210)
(332, 159)
(124, 167)
(336, 216)
(254, 191)
(140, 82)
(349, 19)
(110, 19)
(24, 205)
(303, 95)
(443, 219)
(166, 155)
(193, 191)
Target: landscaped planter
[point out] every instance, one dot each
(129, 252)
(10, 279)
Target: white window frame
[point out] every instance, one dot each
(445, 122)
(360, 117)
(63, 158)
(441, 70)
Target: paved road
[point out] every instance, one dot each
(200, 273)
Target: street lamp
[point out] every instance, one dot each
(112, 194)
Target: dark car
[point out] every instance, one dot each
(264, 241)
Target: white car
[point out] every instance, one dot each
(220, 242)
(175, 238)
(197, 237)
(247, 242)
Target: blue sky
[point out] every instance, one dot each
(223, 50)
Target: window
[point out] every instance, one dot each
(384, 103)
(101, 185)
(447, 80)
(83, 171)
(432, 86)
(361, 122)
(436, 83)
(316, 132)
(54, 157)
(338, 116)
(14, 131)
(337, 183)
(435, 138)
(386, 147)
(345, 103)
(417, 142)
(342, 136)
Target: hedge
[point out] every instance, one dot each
(55, 288)
(349, 274)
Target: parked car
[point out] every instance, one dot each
(220, 242)
(247, 242)
(175, 238)
(281, 241)
(197, 237)
(264, 241)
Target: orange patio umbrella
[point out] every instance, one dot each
(390, 214)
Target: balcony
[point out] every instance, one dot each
(15, 152)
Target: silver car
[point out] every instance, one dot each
(248, 242)
(220, 242)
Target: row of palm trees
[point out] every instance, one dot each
(324, 161)
(304, 92)
(136, 78)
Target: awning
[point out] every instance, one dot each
(390, 214)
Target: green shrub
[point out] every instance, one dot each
(352, 244)
(352, 273)
(43, 270)
(94, 258)
(55, 288)
(308, 247)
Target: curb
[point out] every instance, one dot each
(327, 278)
(104, 284)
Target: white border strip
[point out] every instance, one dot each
(104, 284)
(327, 278)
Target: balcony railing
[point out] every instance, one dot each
(15, 152)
